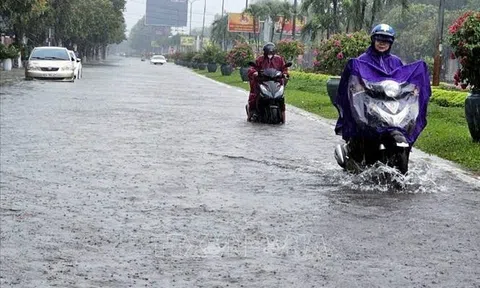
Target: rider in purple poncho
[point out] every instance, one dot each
(378, 54)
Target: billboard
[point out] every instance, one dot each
(187, 41)
(166, 13)
(288, 28)
(241, 22)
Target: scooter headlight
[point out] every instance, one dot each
(264, 90)
(391, 88)
(280, 91)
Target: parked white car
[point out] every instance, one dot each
(158, 59)
(78, 65)
(53, 63)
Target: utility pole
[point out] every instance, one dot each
(294, 23)
(203, 26)
(224, 46)
(437, 64)
(191, 10)
(246, 4)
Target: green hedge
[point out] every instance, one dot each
(316, 83)
(448, 98)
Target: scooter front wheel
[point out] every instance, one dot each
(401, 160)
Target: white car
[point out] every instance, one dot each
(78, 65)
(53, 63)
(158, 59)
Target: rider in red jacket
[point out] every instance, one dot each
(268, 60)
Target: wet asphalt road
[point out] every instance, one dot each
(147, 176)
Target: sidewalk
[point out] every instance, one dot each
(13, 76)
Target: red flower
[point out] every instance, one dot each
(452, 55)
(340, 56)
(459, 22)
(338, 43)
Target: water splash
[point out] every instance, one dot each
(384, 179)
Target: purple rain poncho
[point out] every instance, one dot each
(372, 67)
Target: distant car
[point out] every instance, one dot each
(78, 65)
(158, 59)
(52, 63)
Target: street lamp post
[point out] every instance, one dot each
(224, 31)
(437, 63)
(294, 23)
(203, 25)
(191, 10)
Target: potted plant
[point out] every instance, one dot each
(225, 67)
(6, 55)
(186, 59)
(239, 56)
(465, 41)
(210, 55)
(196, 60)
(333, 55)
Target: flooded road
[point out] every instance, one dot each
(147, 176)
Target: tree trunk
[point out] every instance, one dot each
(356, 16)
(335, 18)
(283, 27)
(272, 31)
(374, 12)
(104, 52)
(97, 53)
(364, 7)
(91, 53)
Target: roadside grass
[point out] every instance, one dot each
(446, 134)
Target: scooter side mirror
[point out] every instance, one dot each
(289, 64)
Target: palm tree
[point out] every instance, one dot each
(220, 32)
(329, 15)
(379, 5)
(319, 20)
(258, 12)
(273, 11)
(285, 11)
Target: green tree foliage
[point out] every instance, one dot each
(90, 24)
(416, 29)
(220, 30)
(333, 16)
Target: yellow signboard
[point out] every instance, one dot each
(241, 22)
(187, 41)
